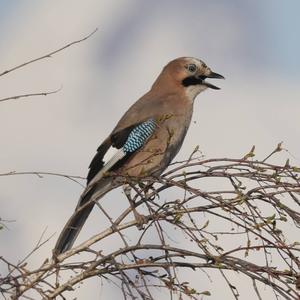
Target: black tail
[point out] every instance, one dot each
(71, 230)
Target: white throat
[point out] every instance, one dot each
(193, 91)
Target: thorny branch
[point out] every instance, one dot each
(242, 222)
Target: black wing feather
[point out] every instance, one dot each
(117, 140)
(97, 162)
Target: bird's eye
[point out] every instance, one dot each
(192, 68)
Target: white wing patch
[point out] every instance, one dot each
(135, 140)
(112, 156)
(109, 154)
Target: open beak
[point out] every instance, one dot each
(214, 76)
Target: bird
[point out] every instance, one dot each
(145, 140)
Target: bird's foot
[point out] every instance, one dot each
(140, 220)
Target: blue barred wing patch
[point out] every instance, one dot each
(139, 135)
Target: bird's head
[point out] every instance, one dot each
(189, 74)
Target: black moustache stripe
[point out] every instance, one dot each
(192, 80)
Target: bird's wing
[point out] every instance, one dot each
(119, 146)
(125, 142)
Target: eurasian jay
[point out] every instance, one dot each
(145, 140)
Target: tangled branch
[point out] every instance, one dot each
(227, 215)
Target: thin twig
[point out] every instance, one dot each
(41, 174)
(48, 55)
(29, 95)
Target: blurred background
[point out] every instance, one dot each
(254, 44)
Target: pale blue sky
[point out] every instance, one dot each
(270, 39)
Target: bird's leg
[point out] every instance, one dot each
(148, 189)
(140, 219)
